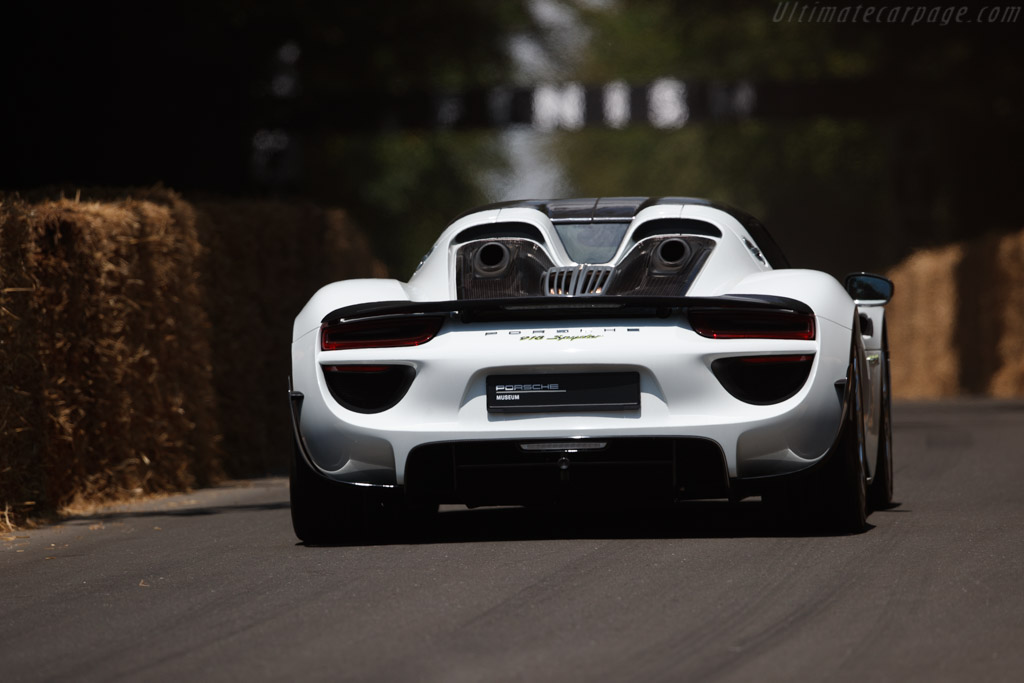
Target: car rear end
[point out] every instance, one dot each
(509, 401)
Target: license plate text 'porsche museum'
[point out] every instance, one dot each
(592, 350)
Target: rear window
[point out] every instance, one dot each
(591, 242)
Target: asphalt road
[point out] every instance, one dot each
(213, 586)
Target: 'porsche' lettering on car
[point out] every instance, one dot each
(527, 387)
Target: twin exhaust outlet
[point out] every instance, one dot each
(494, 260)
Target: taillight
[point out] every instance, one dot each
(379, 333)
(724, 323)
(763, 380)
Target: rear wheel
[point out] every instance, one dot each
(322, 511)
(880, 491)
(834, 498)
(331, 512)
(327, 512)
(842, 492)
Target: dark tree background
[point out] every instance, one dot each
(878, 137)
(244, 97)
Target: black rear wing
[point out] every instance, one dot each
(565, 308)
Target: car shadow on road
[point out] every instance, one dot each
(693, 519)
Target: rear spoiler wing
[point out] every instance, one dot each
(559, 308)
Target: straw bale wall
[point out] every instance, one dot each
(956, 324)
(144, 339)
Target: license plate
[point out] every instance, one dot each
(531, 393)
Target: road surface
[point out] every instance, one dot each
(213, 586)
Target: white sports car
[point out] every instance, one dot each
(614, 349)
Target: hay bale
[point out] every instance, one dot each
(956, 325)
(20, 406)
(1008, 380)
(920, 324)
(114, 380)
(111, 352)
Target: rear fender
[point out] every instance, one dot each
(804, 477)
(345, 293)
(822, 292)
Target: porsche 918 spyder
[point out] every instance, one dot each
(612, 350)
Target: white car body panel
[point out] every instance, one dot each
(680, 396)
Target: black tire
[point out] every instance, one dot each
(842, 490)
(833, 499)
(323, 511)
(880, 490)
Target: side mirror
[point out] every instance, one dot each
(866, 288)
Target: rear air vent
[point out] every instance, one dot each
(763, 380)
(675, 226)
(504, 472)
(368, 388)
(577, 280)
(506, 230)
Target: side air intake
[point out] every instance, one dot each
(577, 280)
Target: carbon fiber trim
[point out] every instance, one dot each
(639, 275)
(522, 277)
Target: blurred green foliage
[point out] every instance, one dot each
(403, 188)
(814, 181)
(932, 156)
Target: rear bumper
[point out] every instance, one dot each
(518, 472)
(681, 402)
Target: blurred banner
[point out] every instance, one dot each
(664, 103)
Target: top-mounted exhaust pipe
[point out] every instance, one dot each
(491, 260)
(669, 256)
